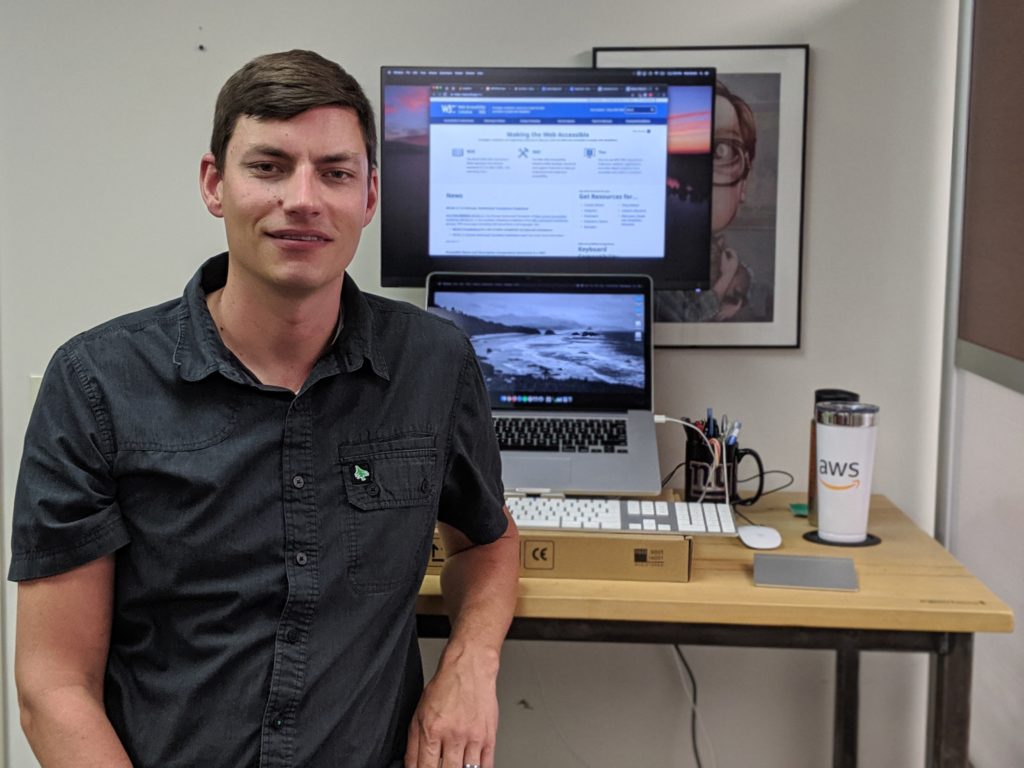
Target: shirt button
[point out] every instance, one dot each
(292, 635)
(300, 558)
(298, 481)
(277, 723)
(373, 490)
(425, 485)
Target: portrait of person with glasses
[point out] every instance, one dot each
(737, 292)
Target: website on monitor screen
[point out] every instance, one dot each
(546, 170)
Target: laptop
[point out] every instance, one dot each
(567, 364)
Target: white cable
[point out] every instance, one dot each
(725, 470)
(660, 418)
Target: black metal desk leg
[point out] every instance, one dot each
(949, 721)
(847, 706)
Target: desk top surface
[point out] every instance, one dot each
(907, 582)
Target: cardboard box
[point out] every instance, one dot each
(561, 554)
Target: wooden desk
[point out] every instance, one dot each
(914, 596)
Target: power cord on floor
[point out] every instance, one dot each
(696, 722)
(689, 685)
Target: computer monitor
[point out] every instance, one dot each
(567, 170)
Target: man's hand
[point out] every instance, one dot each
(456, 722)
(457, 717)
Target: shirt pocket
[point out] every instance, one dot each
(391, 506)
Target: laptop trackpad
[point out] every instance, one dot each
(541, 472)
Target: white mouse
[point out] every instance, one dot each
(759, 536)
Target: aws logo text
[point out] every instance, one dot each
(839, 471)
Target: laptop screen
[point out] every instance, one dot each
(554, 342)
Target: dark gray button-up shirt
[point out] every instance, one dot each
(269, 546)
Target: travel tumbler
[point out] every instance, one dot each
(820, 396)
(845, 459)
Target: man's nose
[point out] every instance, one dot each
(302, 193)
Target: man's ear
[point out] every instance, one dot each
(210, 185)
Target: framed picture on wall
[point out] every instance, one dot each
(753, 299)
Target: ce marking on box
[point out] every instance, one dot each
(436, 554)
(538, 554)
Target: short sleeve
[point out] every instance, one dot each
(472, 497)
(65, 504)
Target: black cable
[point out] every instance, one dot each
(693, 709)
(747, 520)
(736, 510)
(675, 469)
(770, 472)
(782, 487)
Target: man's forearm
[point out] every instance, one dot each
(456, 721)
(479, 585)
(68, 728)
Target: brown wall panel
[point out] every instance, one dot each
(992, 270)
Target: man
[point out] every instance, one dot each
(226, 502)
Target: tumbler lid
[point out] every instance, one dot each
(835, 395)
(846, 414)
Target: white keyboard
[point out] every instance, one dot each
(623, 515)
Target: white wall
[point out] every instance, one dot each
(987, 536)
(107, 108)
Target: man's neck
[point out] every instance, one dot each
(278, 338)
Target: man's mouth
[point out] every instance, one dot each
(300, 237)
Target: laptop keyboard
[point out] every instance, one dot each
(565, 435)
(623, 515)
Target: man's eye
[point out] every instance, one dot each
(338, 174)
(263, 168)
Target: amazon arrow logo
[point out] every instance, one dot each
(846, 487)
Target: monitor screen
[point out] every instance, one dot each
(498, 169)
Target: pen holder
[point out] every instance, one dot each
(703, 483)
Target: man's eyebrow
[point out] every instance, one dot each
(266, 149)
(269, 150)
(340, 157)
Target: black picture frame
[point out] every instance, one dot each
(754, 300)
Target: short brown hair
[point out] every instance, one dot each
(745, 116)
(279, 86)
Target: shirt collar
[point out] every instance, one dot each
(358, 338)
(200, 350)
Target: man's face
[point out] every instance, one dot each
(295, 196)
(728, 143)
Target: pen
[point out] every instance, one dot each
(734, 433)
